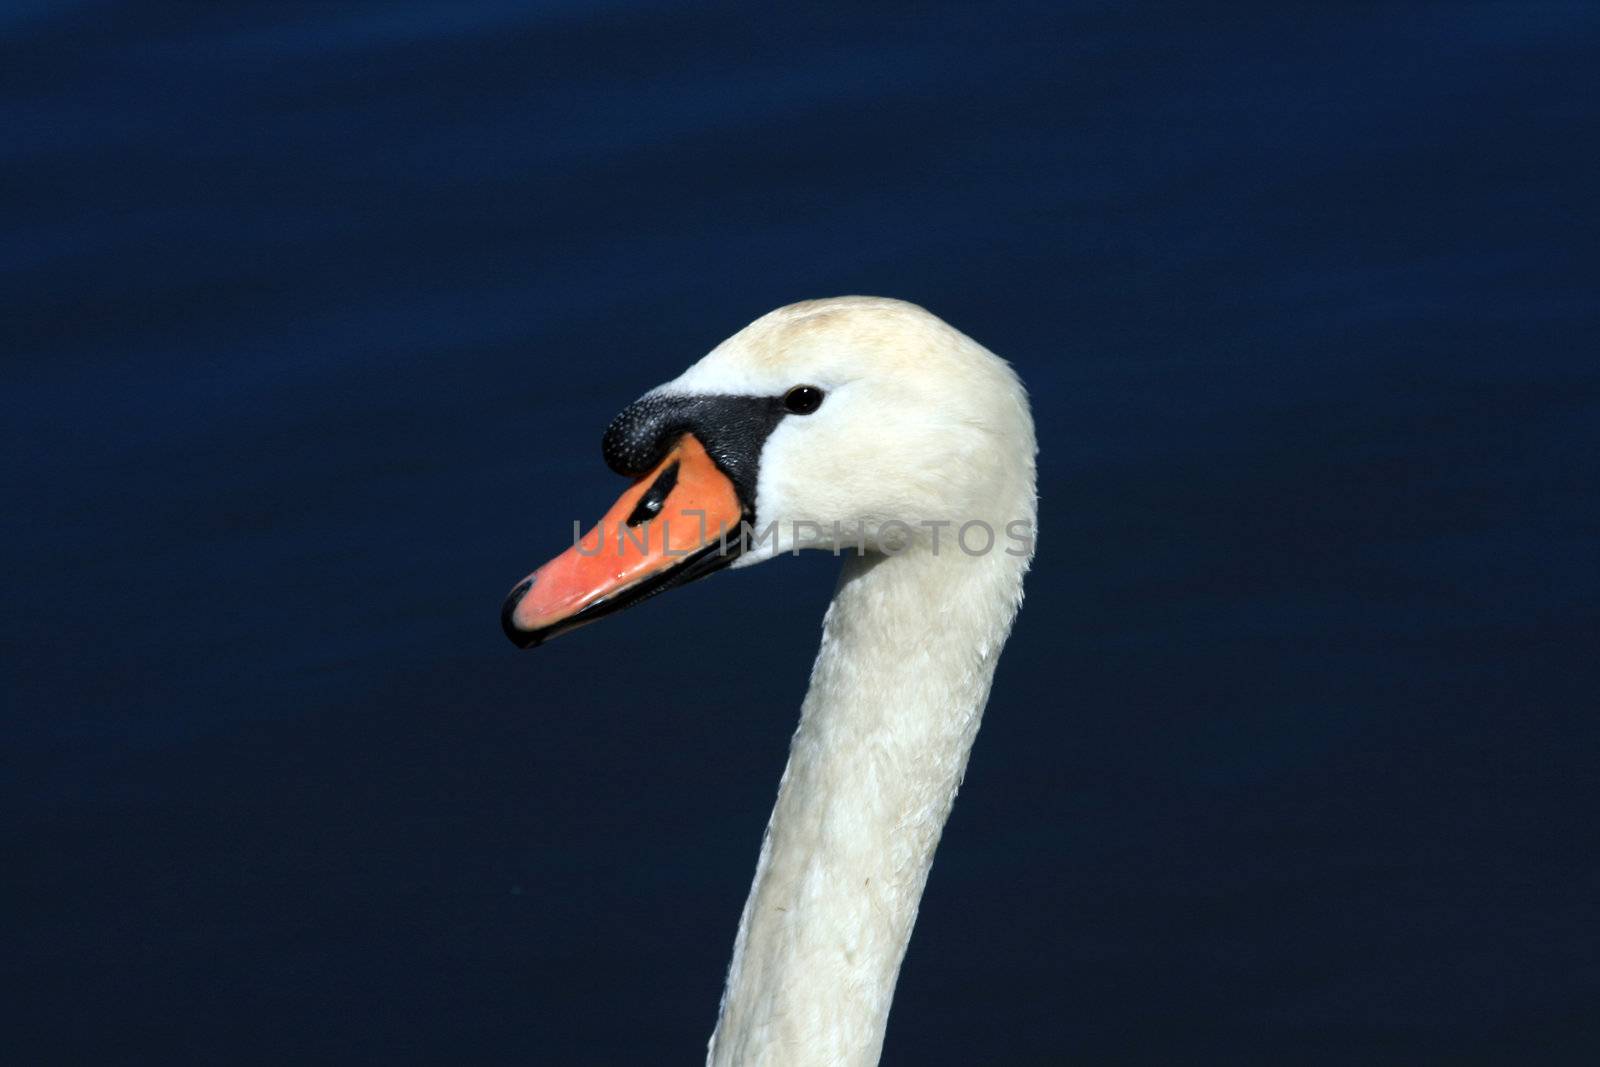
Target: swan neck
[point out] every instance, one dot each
(897, 693)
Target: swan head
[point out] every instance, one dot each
(855, 423)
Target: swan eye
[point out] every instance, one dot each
(803, 399)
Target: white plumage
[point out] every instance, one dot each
(922, 426)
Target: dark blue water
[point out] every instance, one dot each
(313, 315)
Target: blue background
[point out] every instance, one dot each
(314, 313)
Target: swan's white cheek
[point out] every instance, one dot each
(806, 482)
(824, 478)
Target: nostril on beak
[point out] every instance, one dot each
(520, 638)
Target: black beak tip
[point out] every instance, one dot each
(519, 637)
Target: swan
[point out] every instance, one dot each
(869, 427)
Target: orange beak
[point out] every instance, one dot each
(677, 523)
